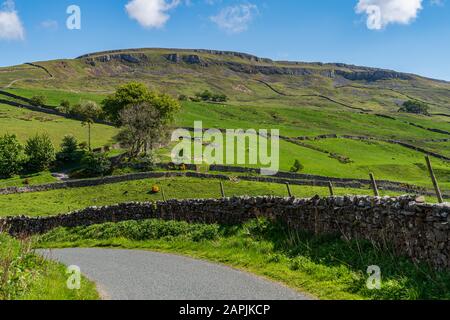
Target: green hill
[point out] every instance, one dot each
(304, 100)
(246, 79)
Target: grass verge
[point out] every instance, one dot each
(326, 266)
(27, 276)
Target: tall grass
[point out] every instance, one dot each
(25, 275)
(18, 267)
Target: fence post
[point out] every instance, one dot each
(435, 182)
(163, 194)
(288, 186)
(330, 186)
(374, 185)
(222, 190)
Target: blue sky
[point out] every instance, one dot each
(404, 35)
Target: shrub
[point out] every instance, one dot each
(38, 101)
(297, 167)
(69, 149)
(195, 99)
(416, 107)
(209, 96)
(146, 162)
(40, 153)
(219, 98)
(10, 156)
(83, 145)
(65, 106)
(96, 164)
(205, 95)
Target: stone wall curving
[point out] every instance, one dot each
(418, 230)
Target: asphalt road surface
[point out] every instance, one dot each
(144, 275)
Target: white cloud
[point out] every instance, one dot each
(381, 13)
(11, 27)
(235, 19)
(151, 13)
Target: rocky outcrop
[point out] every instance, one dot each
(250, 64)
(132, 58)
(373, 75)
(192, 59)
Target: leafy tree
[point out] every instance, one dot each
(38, 101)
(83, 145)
(205, 95)
(65, 106)
(40, 153)
(96, 164)
(145, 125)
(414, 106)
(209, 96)
(129, 94)
(89, 111)
(219, 98)
(10, 156)
(297, 167)
(69, 149)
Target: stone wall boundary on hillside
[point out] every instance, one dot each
(280, 178)
(417, 230)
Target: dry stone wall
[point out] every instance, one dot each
(418, 230)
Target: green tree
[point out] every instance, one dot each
(11, 156)
(205, 95)
(65, 106)
(219, 98)
(40, 153)
(69, 149)
(297, 167)
(96, 164)
(38, 101)
(129, 94)
(145, 125)
(89, 112)
(414, 106)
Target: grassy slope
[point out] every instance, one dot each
(387, 161)
(10, 74)
(54, 97)
(32, 179)
(25, 123)
(176, 78)
(26, 276)
(326, 267)
(304, 120)
(65, 200)
(383, 159)
(255, 105)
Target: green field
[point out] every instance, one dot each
(66, 200)
(260, 101)
(54, 97)
(31, 179)
(24, 124)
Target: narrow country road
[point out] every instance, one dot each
(144, 275)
